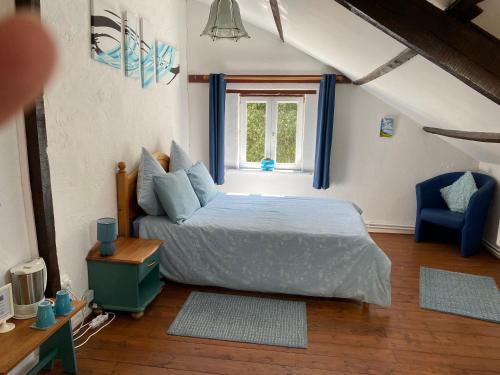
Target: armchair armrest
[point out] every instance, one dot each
(479, 204)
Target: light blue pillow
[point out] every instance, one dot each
(146, 196)
(458, 194)
(176, 195)
(179, 159)
(202, 183)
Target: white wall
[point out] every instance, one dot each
(97, 117)
(257, 55)
(488, 19)
(376, 173)
(263, 53)
(419, 89)
(17, 232)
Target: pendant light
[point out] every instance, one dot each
(224, 21)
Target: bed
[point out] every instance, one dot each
(292, 245)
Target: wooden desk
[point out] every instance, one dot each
(55, 342)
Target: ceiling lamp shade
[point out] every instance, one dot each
(224, 21)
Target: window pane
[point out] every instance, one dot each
(256, 131)
(286, 133)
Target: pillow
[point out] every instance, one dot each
(202, 183)
(146, 196)
(458, 194)
(179, 159)
(176, 195)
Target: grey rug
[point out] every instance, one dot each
(244, 319)
(460, 293)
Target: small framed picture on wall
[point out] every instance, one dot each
(387, 127)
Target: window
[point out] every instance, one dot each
(271, 128)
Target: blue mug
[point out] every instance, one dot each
(63, 303)
(45, 317)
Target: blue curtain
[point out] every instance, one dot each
(217, 104)
(324, 131)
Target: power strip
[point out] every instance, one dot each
(98, 320)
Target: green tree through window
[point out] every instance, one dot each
(256, 131)
(286, 133)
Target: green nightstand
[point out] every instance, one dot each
(129, 280)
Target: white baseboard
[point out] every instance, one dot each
(390, 228)
(409, 229)
(493, 248)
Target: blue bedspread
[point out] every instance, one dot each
(305, 246)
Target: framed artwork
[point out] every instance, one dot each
(167, 63)
(387, 127)
(132, 46)
(106, 33)
(147, 54)
(6, 308)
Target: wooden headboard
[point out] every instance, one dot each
(126, 193)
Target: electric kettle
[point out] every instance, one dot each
(29, 281)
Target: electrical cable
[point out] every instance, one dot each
(84, 297)
(95, 333)
(83, 334)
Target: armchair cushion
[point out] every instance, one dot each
(444, 217)
(458, 194)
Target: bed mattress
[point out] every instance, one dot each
(292, 245)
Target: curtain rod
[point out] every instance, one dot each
(203, 78)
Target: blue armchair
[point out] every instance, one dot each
(435, 222)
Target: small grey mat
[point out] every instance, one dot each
(241, 318)
(460, 293)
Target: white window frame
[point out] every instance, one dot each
(271, 131)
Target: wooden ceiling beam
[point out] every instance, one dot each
(465, 10)
(461, 50)
(277, 18)
(203, 78)
(469, 136)
(399, 60)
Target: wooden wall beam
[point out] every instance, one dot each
(41, 190)
(399, 60)
(277, 18)
(461, 50)
(469, 136)
(271, 92)
(203, 78)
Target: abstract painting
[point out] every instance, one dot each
(106, 34)
(147, 54)
(387, 127)
(167, 63)
(132, 54)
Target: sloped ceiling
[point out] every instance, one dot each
(421, 90)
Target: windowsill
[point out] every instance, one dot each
(276, 171)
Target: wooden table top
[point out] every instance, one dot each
(20, 342)
(128, 250)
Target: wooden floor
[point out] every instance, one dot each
(342, 340)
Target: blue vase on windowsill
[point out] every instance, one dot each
(106, 235)
(267, 164)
